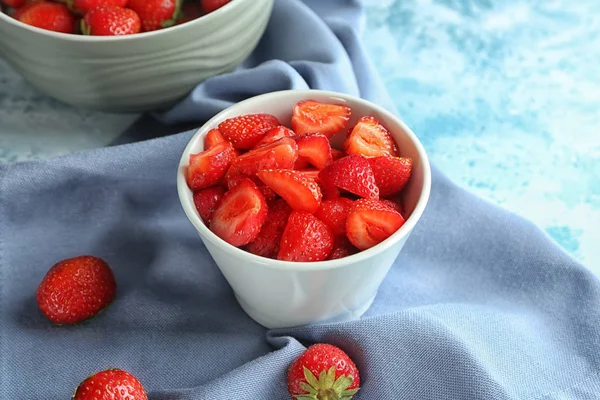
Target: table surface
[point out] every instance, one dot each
(504, 97)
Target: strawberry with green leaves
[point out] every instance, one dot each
(323, 372)
(110, 20)
(156, 14)
(112, 384)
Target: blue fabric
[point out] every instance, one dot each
(479, 305)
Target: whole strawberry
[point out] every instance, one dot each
(211, 5)
(323, 372)
(76, 289)
(110, 21)
(112, 384)
(50, 16)
(83, 6)
(156, 14)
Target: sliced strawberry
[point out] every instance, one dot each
(206, 202)
(300, 192)
(337, 154)
(342, 248)
(305, 238)
(211, 5)
(313, 117)
(393, 205)
(301, 163)
(398, 202)
(274, 135)
(370, 139)
(281, 154)
(353, 174)
(391, 173)
(267, 242)
(245, 131)
(315, 148)
(212, 138)
(240, 215)
(334, 213)
(209, 167)
(269, 194)
(370, 222)
(310, 173)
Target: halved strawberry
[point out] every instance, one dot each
(274, 135)
(213, 137)
(300, 192)
(337, 154)
(305, 238)
(267, 242)
(393, 205)
(232, 181)
(310, 173)
(245, 131)
(240, 214)
(353, 174)
(281, 154)
(391, 173)
(342, 248)
(206, 202)
(334, 213)
(398, 202)
(313, 117)
(301, 163)
(315, 148)
(209, 167)
(371, 139)
(370, 222)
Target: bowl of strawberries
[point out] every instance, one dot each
(127, 55)
(304, 199)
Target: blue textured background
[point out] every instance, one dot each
(504, 95)
(506, 98)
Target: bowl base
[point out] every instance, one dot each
(290, 322)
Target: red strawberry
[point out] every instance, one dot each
(112, 384)
(342, 248)
(241, 214)
(370, 222)
(398, 202)
(110, 21)
(189, 12)
(313, 117)
(19, 11)
(370, 139)
(315, 148)
(337, 154)
(14, 3)
(310, 173)
(50, 16)
(281, 154)
(76, 289)
(393, 205)
(305, 238)
(334, 213)
(353, 174)
(300, 192)
(83, 6)
(301, 163)
(206, 202)
(269, 194)
(245, 131)
(209, 167)
(323, 372)
(211, 5)
(213, 137)
(391, 173)
(156, 14)
(274, 135)
(267, 242)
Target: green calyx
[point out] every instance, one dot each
(85, 29)
(177, 15)
(326, 387)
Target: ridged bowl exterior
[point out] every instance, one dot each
(139, 72)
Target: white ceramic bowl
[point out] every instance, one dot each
(279, 294)
(139, 72)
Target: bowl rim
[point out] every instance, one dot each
(138, 36)
(190, 209)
